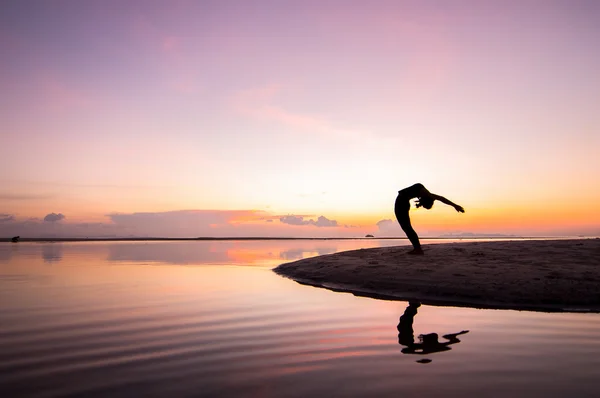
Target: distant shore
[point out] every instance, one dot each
(542, 275)
(141, 239)
(167, 239)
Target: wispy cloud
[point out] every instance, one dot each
(61, 96)
(6, 217)
(174, 51)
(262, 104)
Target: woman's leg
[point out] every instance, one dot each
(404, 221)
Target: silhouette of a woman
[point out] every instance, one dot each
(426, 199)
(429, 343)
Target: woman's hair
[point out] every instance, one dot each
(426, 202)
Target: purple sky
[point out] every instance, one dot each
(300, 108)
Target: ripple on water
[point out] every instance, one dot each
(223, 331)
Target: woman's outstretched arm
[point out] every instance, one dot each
(448, 202)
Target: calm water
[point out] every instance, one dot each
(212, 319)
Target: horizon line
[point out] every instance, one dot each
(252, 238)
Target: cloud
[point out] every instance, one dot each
(325, 222)
(263, 104)
(384, 223)
(59, 95)
(181, 218)
(179, 224)
(192, 223)
(389, 227)
(53, 217)
(6, 217)
(38, 228)
(293, 220)
(299, 220)
(220, 224)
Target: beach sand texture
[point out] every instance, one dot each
(546, 275)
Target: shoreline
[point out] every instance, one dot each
(533, 275)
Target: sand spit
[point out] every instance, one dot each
(543, 275)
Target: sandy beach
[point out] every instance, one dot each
(545, 275)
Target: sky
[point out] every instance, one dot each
(298, 118)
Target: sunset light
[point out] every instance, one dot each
(248, 113)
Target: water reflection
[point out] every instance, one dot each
(267, 253)
(253, 253)
(428, 343)
(5, 254)
(264, 253)
(52, 253)
(89, 326)
(166, 253)
(297, 254)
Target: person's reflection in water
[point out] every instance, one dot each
(428, 342)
